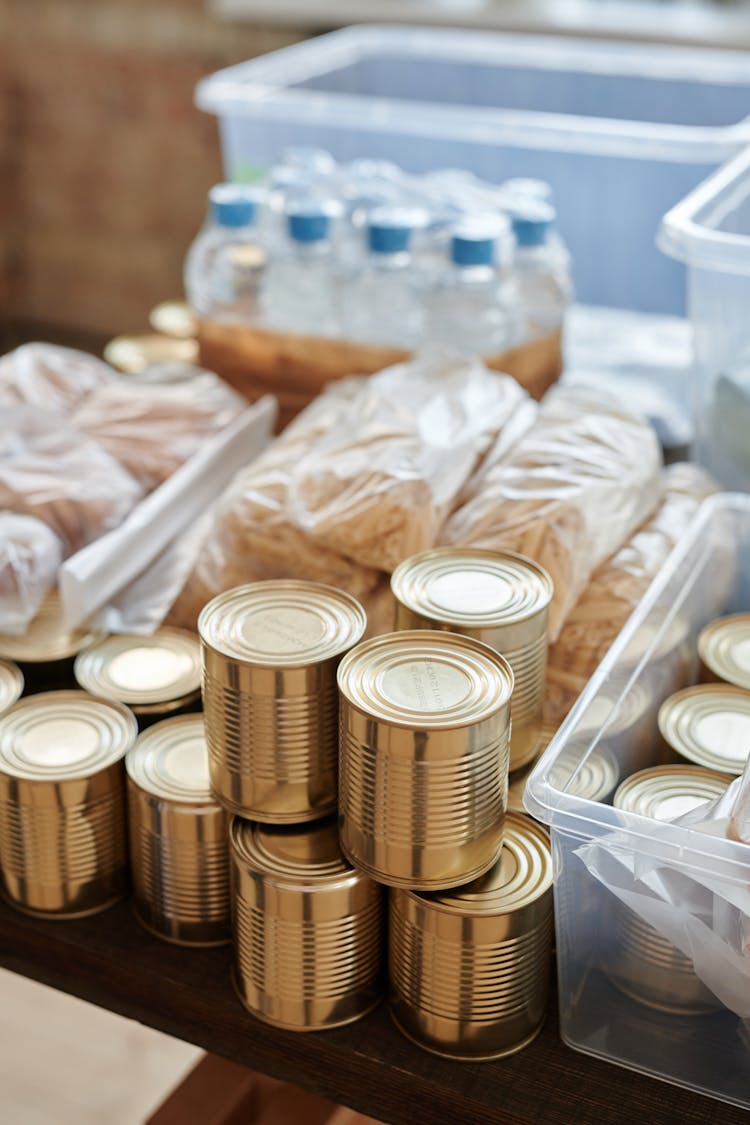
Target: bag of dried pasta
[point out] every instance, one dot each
(567, 495)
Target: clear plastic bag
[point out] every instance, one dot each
(30, 554)
(54, 378)
(567, 495)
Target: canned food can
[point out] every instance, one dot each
(11, 684)
(270, 654)
(154, 676)
(62, 803)
(425, 727)
(724, 651)
(179, 850)
(469, 969)
(499, 598)
(645, 965)
(708, 725)
(47, 649)
(308, 929)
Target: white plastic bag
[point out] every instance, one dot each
(30, 554)
(54, 378)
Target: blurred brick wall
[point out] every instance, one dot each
(104, 160)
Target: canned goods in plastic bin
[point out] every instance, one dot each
(499, 598)
(469, 968)
(425, 724)
(62, 803)
(724, 651)
(308, 929)
(709, 725)
(179, 836)
(270, 654)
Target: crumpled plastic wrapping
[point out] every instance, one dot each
(30, 554)
(739, 817)
(54, 378)
(617, 587)
(567, 495)
(377, 486)
(66, 480)
(153, 428)
(704, 913)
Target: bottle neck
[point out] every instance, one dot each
(396, 261)
(474, 275)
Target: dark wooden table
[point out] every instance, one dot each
(110, 961)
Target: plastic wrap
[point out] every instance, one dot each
(617, 587)
(567, 495)
(30, 554)
(377, 486)
(154, 427)
(739, 816)
(56, 474)
(55, 378)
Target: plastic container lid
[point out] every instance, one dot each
(170, 761)
(532, 223)
(234, 205)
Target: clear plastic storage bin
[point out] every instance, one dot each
(613, 724)
(622, 131)
(710, 231)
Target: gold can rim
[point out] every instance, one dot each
(64, 736)
(666, 792)
(133, 354)
(594, 777)
(170, 761)
(724, 648)
(472, 587)
(425, 679)
(290, 855)
(282, 623)
(708, 724)
(11, 684)
(163, 667)
(617, 712)
(47, 639)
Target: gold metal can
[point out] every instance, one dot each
(270, 654)
(47, 648)
(423, 767)
(62, 803)
(11, 684)
(499, 598)
(724, 651)
(154, 675)
(469, 970)
(646, 965)
(179, 850)
(709, 725)
(308, 929)
(133, 354)
(174, 318)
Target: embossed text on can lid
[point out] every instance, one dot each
(282, 623)
(11, 684)
(709, 725)
(724, 648)
(141, 671)
(170, 760)
(521, 875)
(666, 792)
(62, 735)
(425, 679)
(472, 587)
(289, 855)
(46, 639)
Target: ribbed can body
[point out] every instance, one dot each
(179, 858)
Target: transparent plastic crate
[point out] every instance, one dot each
(621, 130)
(710, 231)
(614, 721)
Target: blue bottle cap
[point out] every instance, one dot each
(532, 223)
(472, 250)
(389, 229)
(309, 222)
(233, 205)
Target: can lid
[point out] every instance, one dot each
(11, 684)
(282, 623)
(521, 875)
(47, 639)
(617, 711)
(724, 648)
(141, 670)
(133, 354)
(594, 779)
(676, 634)
(426, 679)
(472, 587)
(170, 760)
(174, 318)
(666, 792)
(710, 725)
(290, 854)
(63, 735)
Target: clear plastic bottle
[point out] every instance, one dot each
(472, 305)
(541, 270)
(298, 292)
(380, 298)
(225, 263)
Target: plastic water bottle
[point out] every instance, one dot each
(541, 270)
(298, 292)
(472, 305)
(380, 298)
(225, 263)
